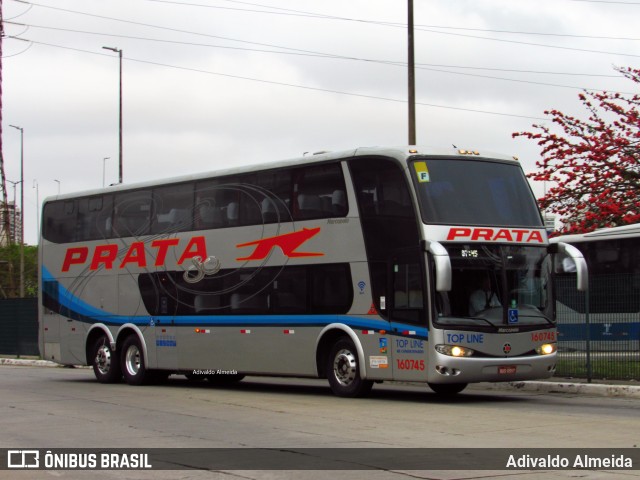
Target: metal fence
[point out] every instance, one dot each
(601, 342)
(19, 326)
(599, 330)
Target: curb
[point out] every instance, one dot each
(27, 362)
(593, 389)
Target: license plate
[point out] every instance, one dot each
(507, 369)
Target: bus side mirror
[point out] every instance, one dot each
(442, 265)
(581, 264)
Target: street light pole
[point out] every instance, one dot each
(35, 185)
(104, 160)
(22, 209)
(411, 75)
(58, 182)
(119, 52)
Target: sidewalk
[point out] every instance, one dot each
(598, 388)
(601, 388)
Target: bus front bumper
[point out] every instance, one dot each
(446, 369)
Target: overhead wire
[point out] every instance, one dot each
(340, 18)
(425, 67)
(286, 84)
(297, 51)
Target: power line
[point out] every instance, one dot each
(339, 18)
(518, 42)
(426, 67)
(606, 1)
(291, 85)
(544, 34)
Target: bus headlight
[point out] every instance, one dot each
(454, 350)
(546, 349)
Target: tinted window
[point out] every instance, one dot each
(474, 192)
(132, 213)
(172, 208)
(270, 196)
(309, 289)
(319, 192)
(94, 217)
(389, 225)
(59, 223)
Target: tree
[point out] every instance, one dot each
(10, 271)
(594, 164)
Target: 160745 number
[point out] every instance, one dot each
(410, 364)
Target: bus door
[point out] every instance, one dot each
(391, 236)
(407, 315)
(161, 300)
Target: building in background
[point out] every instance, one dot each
(12, 236)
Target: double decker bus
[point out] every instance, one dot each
(357, 267)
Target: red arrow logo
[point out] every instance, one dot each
(288, 243)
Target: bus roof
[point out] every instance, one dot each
(612, 233)
(400, 152)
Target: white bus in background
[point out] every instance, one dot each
(613, 260)
(356, 266)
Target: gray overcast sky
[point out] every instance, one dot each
(214, 83)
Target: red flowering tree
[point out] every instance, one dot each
(593, 165)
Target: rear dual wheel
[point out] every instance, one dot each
(105, 362)
(134, 369)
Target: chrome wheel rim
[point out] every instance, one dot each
(103, 359)
(345, 367)
(132, 360)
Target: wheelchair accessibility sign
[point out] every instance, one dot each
(512, 316)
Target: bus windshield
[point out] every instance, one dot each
(474, 192)
(498, 285)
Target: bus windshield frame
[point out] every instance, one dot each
(473, 191)
(518, 280)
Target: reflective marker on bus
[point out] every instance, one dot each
(371, 265)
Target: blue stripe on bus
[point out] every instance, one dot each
(82, 311)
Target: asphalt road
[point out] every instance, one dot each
(66, 408)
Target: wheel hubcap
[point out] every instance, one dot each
(132, 360)
(103, 359)
(344, 367)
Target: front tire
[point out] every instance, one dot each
(105, 363)
(343, 371)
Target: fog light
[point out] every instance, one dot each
(454, 350)
(546, 349)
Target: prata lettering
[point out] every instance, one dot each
(106, 256)
(496, 234)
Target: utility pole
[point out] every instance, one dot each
(411, 75)
(21, 208)
(6, 224)
(119, 52)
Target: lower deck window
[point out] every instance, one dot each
(310, 289)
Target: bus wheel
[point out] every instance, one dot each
(132, 362)
(106, 366)
(447, 388)
(343, 371)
